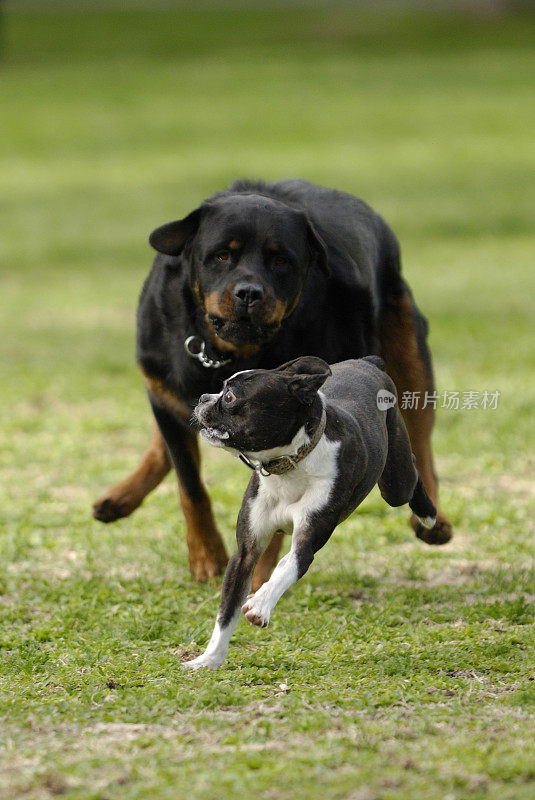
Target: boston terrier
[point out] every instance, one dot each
(315, 456)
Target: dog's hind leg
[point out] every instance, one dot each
(408, 362)
(400, 482)
(399, 476)
(124, 497)
(424, 508)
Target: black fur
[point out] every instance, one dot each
(264, 409)
(341, 281)
(263, 274)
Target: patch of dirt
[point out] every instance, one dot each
(525, 487)
(69, 493)
(462, 572)
(187, 653)
(55, 783)
(471, 487)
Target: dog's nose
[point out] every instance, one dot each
(204, 398)
(249, 293)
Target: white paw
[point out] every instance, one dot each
(255, 612)
(210, 662)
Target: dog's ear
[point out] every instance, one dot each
(171, 238)
(317, 249)
(305, 376)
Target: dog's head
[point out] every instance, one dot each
(259, 410)
(248, 257)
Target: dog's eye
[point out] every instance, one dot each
(223, 255)
(229, 397)
(279, 261)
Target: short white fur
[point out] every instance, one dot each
(283, 502)
(217, 648)
(258, 608)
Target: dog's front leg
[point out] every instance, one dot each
(122, 498)
(236, 586)
(206, 549)
(306, 541)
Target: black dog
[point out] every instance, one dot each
(258, 275)
(315, 458)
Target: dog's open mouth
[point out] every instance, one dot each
(214, 435)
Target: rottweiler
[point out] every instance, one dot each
(261, 274)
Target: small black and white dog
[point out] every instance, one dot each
(315, 456)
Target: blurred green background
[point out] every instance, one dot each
(115, 118)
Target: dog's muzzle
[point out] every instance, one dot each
(208, 432)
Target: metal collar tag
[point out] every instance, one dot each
(255, 467)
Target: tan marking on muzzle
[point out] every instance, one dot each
(222, 304)
(279, 310)
(239, 351)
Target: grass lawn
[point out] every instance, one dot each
(393, 670)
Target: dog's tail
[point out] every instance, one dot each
(376, 361)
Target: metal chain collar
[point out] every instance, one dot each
(200, 354)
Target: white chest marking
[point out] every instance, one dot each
(285, 501)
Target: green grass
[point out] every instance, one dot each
(392, 670)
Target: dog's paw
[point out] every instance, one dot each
(255, 612)
(203, 661)
(205, 567)
(440, 533)
(108, 510)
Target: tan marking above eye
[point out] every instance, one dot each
(234, 244)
